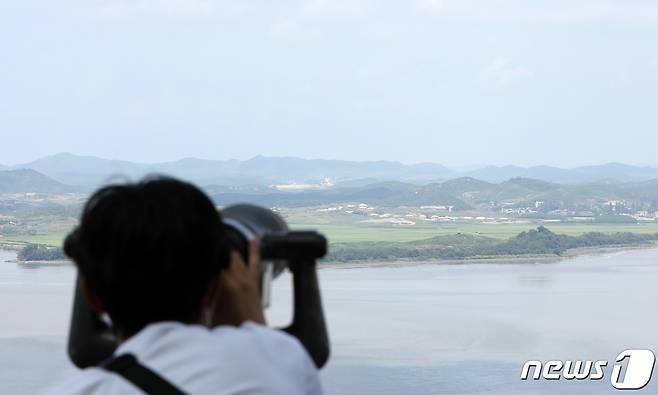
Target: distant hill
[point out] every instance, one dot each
(496, 173)
(27, 180)
(79, 170)
(617, 172)
(88, 170)
(609, 172)
(462, 193)
(384, 193)
(82, 170)
(464, 185)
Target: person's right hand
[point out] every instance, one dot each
(238, 297)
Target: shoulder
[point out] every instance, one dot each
(280, 351)
(273, 341)
(93, 381)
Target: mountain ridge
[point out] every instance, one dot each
(28, 180)
(463, 193)
(85, 170)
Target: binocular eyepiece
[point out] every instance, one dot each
(243, 222)
(91, 339)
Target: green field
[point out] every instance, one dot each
(357, 233)
(53, 239)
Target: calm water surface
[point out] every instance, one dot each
(423, 329)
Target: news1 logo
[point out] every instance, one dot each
(638, 366)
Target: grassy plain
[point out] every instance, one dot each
(360, 233)
(52, 239)
(342, 233)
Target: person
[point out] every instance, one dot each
(186, 309)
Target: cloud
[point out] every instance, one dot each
(502, 71)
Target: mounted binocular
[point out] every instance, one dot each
(91, 339)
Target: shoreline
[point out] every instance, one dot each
(58, 262)
(61, 262)
(492, 260)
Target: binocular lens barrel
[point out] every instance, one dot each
(293, 245)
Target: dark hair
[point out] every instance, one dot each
(149, 250)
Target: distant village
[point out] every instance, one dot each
(616, 211)
(621, 209)
(23, 210)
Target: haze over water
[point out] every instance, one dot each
(421, 329)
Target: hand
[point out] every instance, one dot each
(238, 297)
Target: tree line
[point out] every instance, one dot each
(540, 241)
(40, 252)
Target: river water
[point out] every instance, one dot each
(414, 329)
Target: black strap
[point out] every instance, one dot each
(127, 366)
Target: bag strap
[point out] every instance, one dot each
(127, 366)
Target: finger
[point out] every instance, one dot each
(254, 256)
(236, 270)
(236, 261)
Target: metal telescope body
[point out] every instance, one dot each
(91, 340)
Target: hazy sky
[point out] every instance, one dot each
(458, 82)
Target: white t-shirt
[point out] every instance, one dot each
(245, 360)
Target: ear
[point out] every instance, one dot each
(91, 297)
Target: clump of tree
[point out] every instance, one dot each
(540, 241)
(543, 241)
(40, 252)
